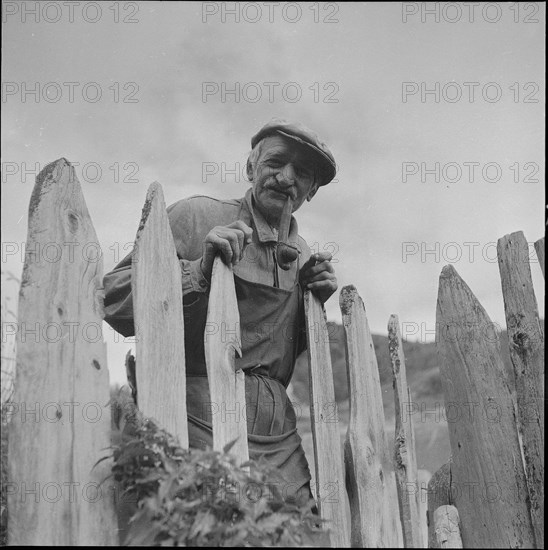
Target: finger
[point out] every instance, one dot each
(324, 256)
(244, 228)
(309, 263)
(223, 246)
(235, 238)
(327, 285)
(319, 268)
(323, 276)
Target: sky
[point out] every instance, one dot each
(434, 114)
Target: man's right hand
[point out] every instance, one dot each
(229, 240)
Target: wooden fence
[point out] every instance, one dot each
(54, 493)
(495, 479)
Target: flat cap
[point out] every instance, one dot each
(300, 133)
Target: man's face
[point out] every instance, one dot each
(284, 168)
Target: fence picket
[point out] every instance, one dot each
(8, 351)
(446, 521)
(62, 380)
(226, 384)
(325, 428)
(405, 453)
(158, 316)
(439, 494)
(484, 441)
(539, 247)
(526, 345)
(366, 454)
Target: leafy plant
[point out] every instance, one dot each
(202, 498)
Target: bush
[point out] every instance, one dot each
(201, 498)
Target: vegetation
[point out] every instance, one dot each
(201, 498)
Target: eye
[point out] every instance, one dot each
(304, 173)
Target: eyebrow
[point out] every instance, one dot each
(303, 161)
(275, 155)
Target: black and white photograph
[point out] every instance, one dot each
(273, 274)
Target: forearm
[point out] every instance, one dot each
(118, 301)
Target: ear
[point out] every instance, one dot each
(312, 192)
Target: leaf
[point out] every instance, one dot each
(107, 457)
(227, 448)
(202, 524)
(196, 497)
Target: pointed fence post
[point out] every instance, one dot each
(488, 473)
(439, 494)
(325, 426)
(447, 529)
(539, 247)
(526, 346)
(60, 426)
(9, 330)
(405, 453)
(366, 454)
(159, 323)
(226, 384)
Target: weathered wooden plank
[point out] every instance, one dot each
(390, 509)
(9, 330)
(404, 451)
(226, 384)
(446, 521)
(487, 471)
(158, 315)
(60, 426)
(439, 494)
(526, 343)
(325, 426)
(366, 453)
(539, 247)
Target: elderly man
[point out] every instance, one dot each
(287, 165)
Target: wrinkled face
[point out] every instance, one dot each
(283, 168)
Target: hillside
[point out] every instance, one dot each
(423, 376)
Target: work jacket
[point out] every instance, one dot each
(271, 321)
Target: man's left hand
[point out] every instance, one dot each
(318, 275)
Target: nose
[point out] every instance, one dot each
(286, 176)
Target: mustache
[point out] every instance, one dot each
(275, 187)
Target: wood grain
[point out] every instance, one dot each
(366, 453)
(487, 470)
(61, 427)
(446, 521)
(539, 247)
(158, 313)
(404, 450)
(325, 425)
(526, 346)
(226, 384)
(439, 494)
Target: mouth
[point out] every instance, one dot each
(282, 194)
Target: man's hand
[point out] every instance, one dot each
(229, 240)
(318, 275)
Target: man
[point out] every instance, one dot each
(287, 162)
